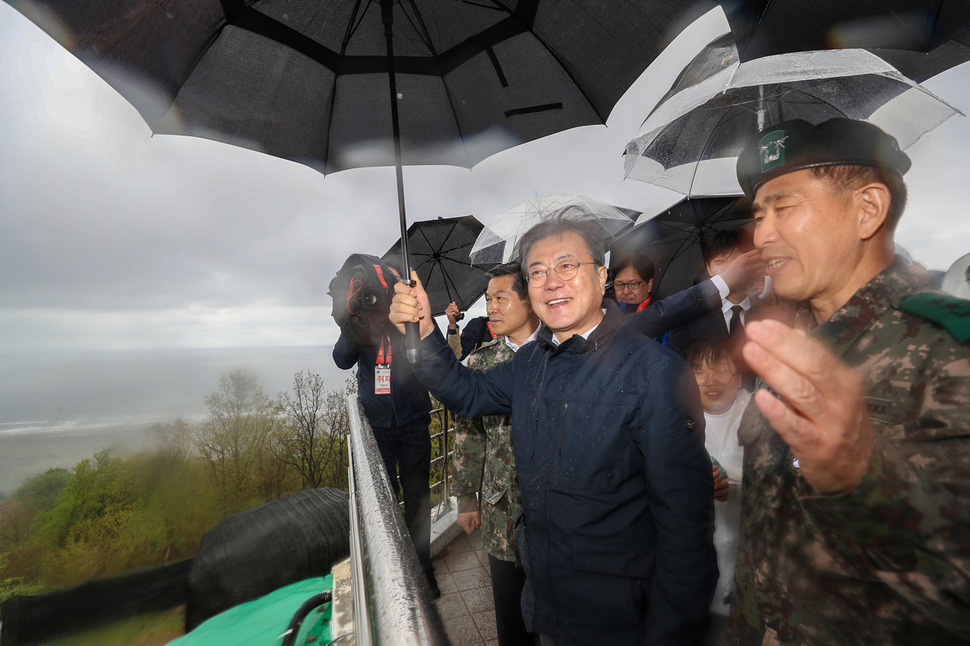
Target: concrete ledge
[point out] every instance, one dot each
(342, 615)
(444, 525)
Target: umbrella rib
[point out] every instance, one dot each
(531, 7)
(750, 36)
(352, 25)
(697, 164)
(231, 9)
(356, 18)
(418, 23)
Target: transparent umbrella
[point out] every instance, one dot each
(690, 141)
(499, 240)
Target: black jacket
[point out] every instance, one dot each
(616, 484)
(677, 309)
(408, 400)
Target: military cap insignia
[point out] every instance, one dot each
(771, 150)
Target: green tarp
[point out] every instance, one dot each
(262, 621)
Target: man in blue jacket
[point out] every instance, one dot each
(607, 432)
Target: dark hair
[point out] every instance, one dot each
(519, 285)
(575, 219)
(727, 241)
(847, 177)
(640, 264)
(710, 350)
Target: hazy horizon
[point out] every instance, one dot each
(54, 389)
(57, 408)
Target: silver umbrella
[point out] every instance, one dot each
(690, 141)
(499, 240)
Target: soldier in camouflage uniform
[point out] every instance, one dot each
(485, 480)
(856, 514)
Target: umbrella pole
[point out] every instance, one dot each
(761, 108)
(412, 331)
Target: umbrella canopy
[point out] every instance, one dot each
(348, 83)
(308, 81)
(956, 281)
(499, 240)
(718, 103)
(675, 239)
(897, 30)
(439, 253)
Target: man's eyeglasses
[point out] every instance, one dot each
(632, 285)
(566, 270)
(719, 376)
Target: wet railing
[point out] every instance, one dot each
(392, 604)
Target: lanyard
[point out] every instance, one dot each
(380, 353)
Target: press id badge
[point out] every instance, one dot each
(382, 379)
(382, 371)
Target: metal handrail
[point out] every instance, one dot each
(445, 482)
(392, 603)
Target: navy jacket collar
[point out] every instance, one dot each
(602, 335)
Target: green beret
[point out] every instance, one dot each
(796, 144)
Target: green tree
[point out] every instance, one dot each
(42, 490)
(174, 439)
(100, 486)
(77, 537)
(233, 440)
(38, 494)
(313, 440)
(302, 443)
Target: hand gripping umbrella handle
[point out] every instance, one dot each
(412, 337)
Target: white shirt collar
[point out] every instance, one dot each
(726, 312)
(532, 337)
(726, 305)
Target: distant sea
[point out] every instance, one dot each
(57, 408)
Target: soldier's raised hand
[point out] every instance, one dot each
(822, 415)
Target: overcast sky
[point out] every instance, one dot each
(111, 238)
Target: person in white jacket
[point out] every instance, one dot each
(724, 400)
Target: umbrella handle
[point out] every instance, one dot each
(412, 334)
(412, 341)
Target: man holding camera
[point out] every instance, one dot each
(396, 404)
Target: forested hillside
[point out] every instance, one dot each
(111, 513)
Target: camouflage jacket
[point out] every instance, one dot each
(484, 465)
(888, 562)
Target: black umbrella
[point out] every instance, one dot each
(920, 38)
(676, 239)
(439, 253)
(349, 83)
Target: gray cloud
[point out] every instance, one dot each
(111, 237)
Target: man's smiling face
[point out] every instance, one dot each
(566, 307)
(807, 235)
(507, 312)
